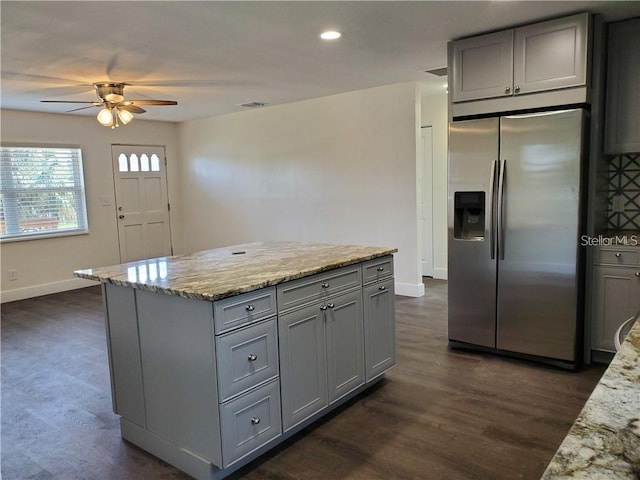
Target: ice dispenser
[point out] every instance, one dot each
(469, 218)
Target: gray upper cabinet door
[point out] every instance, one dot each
(303, 364)
(345, 344)
(483, 66)
(379, 328)
(622, 125)
(551, 55)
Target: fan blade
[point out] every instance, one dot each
(83, 108)
(150, 102)
(132, 108)
(66, 101)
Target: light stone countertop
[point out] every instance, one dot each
(604, 441)
(224, 272)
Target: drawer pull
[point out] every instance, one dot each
(325, 285)
(382, 287)
(255, 420)
(252, 357)
(330, 305)
(323, 307)
(250, 308)
(618, 255)
(637, 274)
(380, 269)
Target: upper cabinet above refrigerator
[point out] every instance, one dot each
(622, 125)
(539, 65)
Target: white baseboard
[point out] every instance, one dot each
(44, 289)
(440, 273)
(409, 289)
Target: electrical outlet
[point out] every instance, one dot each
(618, 204)
(13, 274)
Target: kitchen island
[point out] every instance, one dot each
(604, 441)
(217, 356)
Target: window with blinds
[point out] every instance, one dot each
(42, 192)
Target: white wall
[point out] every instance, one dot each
(46, 265)
(434, 114)
(338, 169)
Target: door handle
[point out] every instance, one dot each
(120, 217)
(492, 203)
(500, 232)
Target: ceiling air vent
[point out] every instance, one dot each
(438, 72)
(253, 104)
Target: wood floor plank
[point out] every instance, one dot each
(439, 414)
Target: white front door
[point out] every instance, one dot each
(426, 201)
(142, 204)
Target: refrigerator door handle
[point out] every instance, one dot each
(503, 167)
(492, 204)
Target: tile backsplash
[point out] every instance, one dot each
(624, 191)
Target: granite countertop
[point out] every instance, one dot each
(225, 272)
(604, 441)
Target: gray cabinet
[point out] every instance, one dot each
(208, 386)
(304, 364)
(380, 329)
(622, 123)
(321, 345)
(483, 66)
(345, 344)
(616, 293)
(534, 58)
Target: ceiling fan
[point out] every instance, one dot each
(115, 108)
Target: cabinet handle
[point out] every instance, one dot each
(255, 420)
(507, 89)
(637, 274)
(252, 357)
(323, 307)
(250, 308)
(380, 269)
(330, 305)
(618, 255)
(517, 89)
(382, 287)
(120, 217)
(325, 285)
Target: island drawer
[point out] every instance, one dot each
(250, 421)
(246, 358)
(309, 289)
(619, 256)
(377, 269)
(243, 309)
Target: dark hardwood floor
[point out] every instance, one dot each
(439, 414)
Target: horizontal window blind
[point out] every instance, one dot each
(42, 192)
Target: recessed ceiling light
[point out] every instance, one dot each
(330, 35)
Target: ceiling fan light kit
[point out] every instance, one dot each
(114, 108)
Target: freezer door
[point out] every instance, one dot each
(537, 271)
(473, 151)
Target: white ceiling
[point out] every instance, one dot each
(212, 56)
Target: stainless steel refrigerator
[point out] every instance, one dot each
(514, 223)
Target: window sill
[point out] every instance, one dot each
(36, 236)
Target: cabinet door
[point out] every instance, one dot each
(483, 66)
(379, 328)
(345, 344)
(616, 298)
(303, 364)
(622, 126)
(551, 55)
